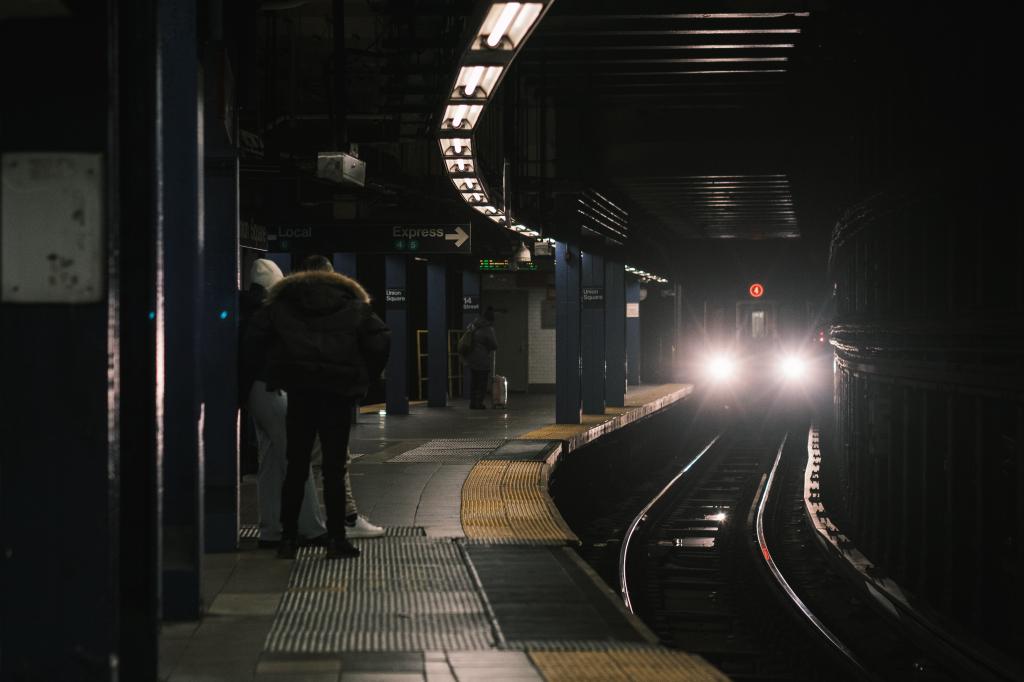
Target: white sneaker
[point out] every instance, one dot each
(361, 528)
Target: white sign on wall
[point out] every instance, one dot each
(632, 310)
(51, 227)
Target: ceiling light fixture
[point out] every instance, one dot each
(473, 80)
(504, 21)
(502, 31)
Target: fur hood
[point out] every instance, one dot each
(317, 289)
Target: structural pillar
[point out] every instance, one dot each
(220, 314)
(614, 334)
(134, 341)
(396, 386)
(470, 311)
(345, 263)
(633, 333)
(179, 313)
(283, 260)
(60, 445)
(567, 333)
(592, 332)
(437, 335)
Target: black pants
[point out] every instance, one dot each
(478, 386)
(330, 415)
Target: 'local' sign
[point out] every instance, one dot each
(376, 238)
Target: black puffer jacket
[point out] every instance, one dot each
(320, 333)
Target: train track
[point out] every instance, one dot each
(721, 563)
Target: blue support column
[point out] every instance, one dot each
(178, 312)
(592, 332)
(220, 346)
(567, 333)
(395, 389)
(437, 335)
(615, 333)
(345, 263)
(633, 333)
(283, 260)
(470, 311)
(132, 348)
(63, 403)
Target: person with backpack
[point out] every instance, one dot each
(476, 348)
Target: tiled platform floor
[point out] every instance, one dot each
(432, 604)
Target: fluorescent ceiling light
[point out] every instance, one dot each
(460, 165)
(475, 197)
(475, 73)
(506, 24)
(508, 13)
(461, 116)
(456, 146)
(477, 82)
(467, 184)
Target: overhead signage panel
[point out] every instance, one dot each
(422, 238)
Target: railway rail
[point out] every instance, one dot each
(722, 562)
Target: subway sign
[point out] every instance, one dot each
(420, 238)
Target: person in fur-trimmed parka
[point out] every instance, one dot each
(324, 346)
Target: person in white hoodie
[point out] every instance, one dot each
(269, 409)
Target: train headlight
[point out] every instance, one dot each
(721, 368)
(792, 368)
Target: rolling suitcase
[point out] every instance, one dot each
(499, 387)
(499, 390)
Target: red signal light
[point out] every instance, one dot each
(756, 290)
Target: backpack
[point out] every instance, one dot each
(465, 346)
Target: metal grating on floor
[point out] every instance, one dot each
(404, 531)
(451, 450)
(525, 541)
(403, 594)
(249, 532)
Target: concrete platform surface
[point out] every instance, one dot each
(476, 578)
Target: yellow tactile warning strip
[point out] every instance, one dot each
(508, 500)
(639, 403)
(634, 665)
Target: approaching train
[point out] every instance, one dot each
(760, 347)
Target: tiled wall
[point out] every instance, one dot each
(542, 342)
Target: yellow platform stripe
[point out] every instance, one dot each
(634, 665)
(638, 403)
(508, 500)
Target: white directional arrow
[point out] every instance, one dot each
(459, 237)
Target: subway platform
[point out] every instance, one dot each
(476, 578)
